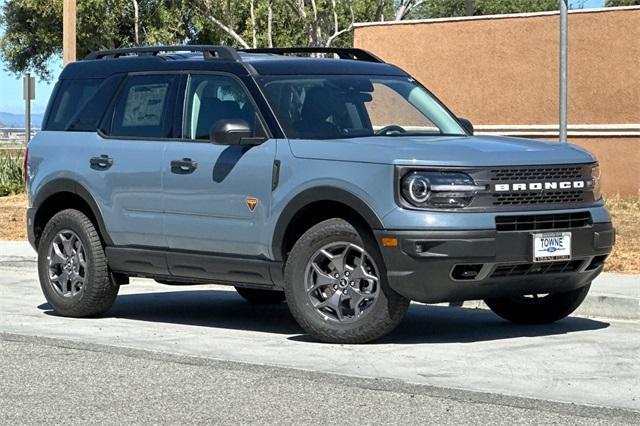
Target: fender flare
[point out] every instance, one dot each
(315, 194)
(69, 185)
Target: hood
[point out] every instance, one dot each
(442, 151)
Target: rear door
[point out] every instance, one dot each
(217, 197)
(126, 161)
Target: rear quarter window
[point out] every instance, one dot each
(71, 97)
(88, 117)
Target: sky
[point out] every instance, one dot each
(11, 86)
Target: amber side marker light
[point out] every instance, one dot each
(389, 242)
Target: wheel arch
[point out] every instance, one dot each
(313, 205)
(60, 194)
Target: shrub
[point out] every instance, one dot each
(11, 181)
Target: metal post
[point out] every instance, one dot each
(28, 93)
(563, 70)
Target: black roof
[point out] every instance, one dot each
(222, 58)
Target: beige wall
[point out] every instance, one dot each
(619, 163)
(504, 71)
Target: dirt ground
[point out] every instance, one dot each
(625, 212)
(12, 217)
(626, 219)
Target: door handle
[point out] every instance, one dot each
(186, 165)
(102, 162)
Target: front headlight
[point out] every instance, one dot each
(440, 190)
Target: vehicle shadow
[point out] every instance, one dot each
(422, 324)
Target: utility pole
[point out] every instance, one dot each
(563, 69)
(469, 7)
(69, 31)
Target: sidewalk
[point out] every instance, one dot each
(614, 296)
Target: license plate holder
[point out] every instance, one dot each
(551, 246)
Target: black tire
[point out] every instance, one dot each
(543, 310)
(383, 315)
(99, 290)
(260, 296)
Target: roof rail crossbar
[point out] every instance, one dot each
(342, 53)
(208, 51)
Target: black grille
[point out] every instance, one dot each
(528, 174)
(554, 197)
(543, 221)
(519, 269)
(539, 187)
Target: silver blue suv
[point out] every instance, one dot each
(325, 177)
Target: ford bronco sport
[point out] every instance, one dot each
(338, 183)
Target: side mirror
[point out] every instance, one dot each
(466, 124)
(232, 132)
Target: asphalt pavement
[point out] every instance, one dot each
(52, 381)
(202, 354)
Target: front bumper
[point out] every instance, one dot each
(447, 266)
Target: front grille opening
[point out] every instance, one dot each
(538, 173)
(520, 269)
(596, 262)
(466, 272)
(540, 222)
(552, 197)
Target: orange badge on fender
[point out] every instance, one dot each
(252, 203)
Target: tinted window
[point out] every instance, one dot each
(71, 97)
(211, 98)
(145, 107)
(333, 107)
(88, 117)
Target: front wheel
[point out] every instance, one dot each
(336, 286)
(538, 308)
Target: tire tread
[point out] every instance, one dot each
(379, 323)
(100, 289)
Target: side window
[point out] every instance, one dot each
(71, 97)
(211, 98)
(88, 117)
(145, 107)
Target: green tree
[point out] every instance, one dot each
(447, 8)
(614, 3)
(33, 28)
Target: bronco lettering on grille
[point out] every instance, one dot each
(541, 186)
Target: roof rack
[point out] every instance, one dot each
(211, 52)
(208, 51)
(343, 53)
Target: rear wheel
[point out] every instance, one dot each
(336, 287)
(261, 296)
(538, 308)
(73, 268)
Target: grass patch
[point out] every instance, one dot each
(11, 181)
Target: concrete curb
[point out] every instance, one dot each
(612, 296)
(605, 306)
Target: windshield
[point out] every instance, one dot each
(333, 107)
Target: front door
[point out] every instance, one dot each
(217, 197)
